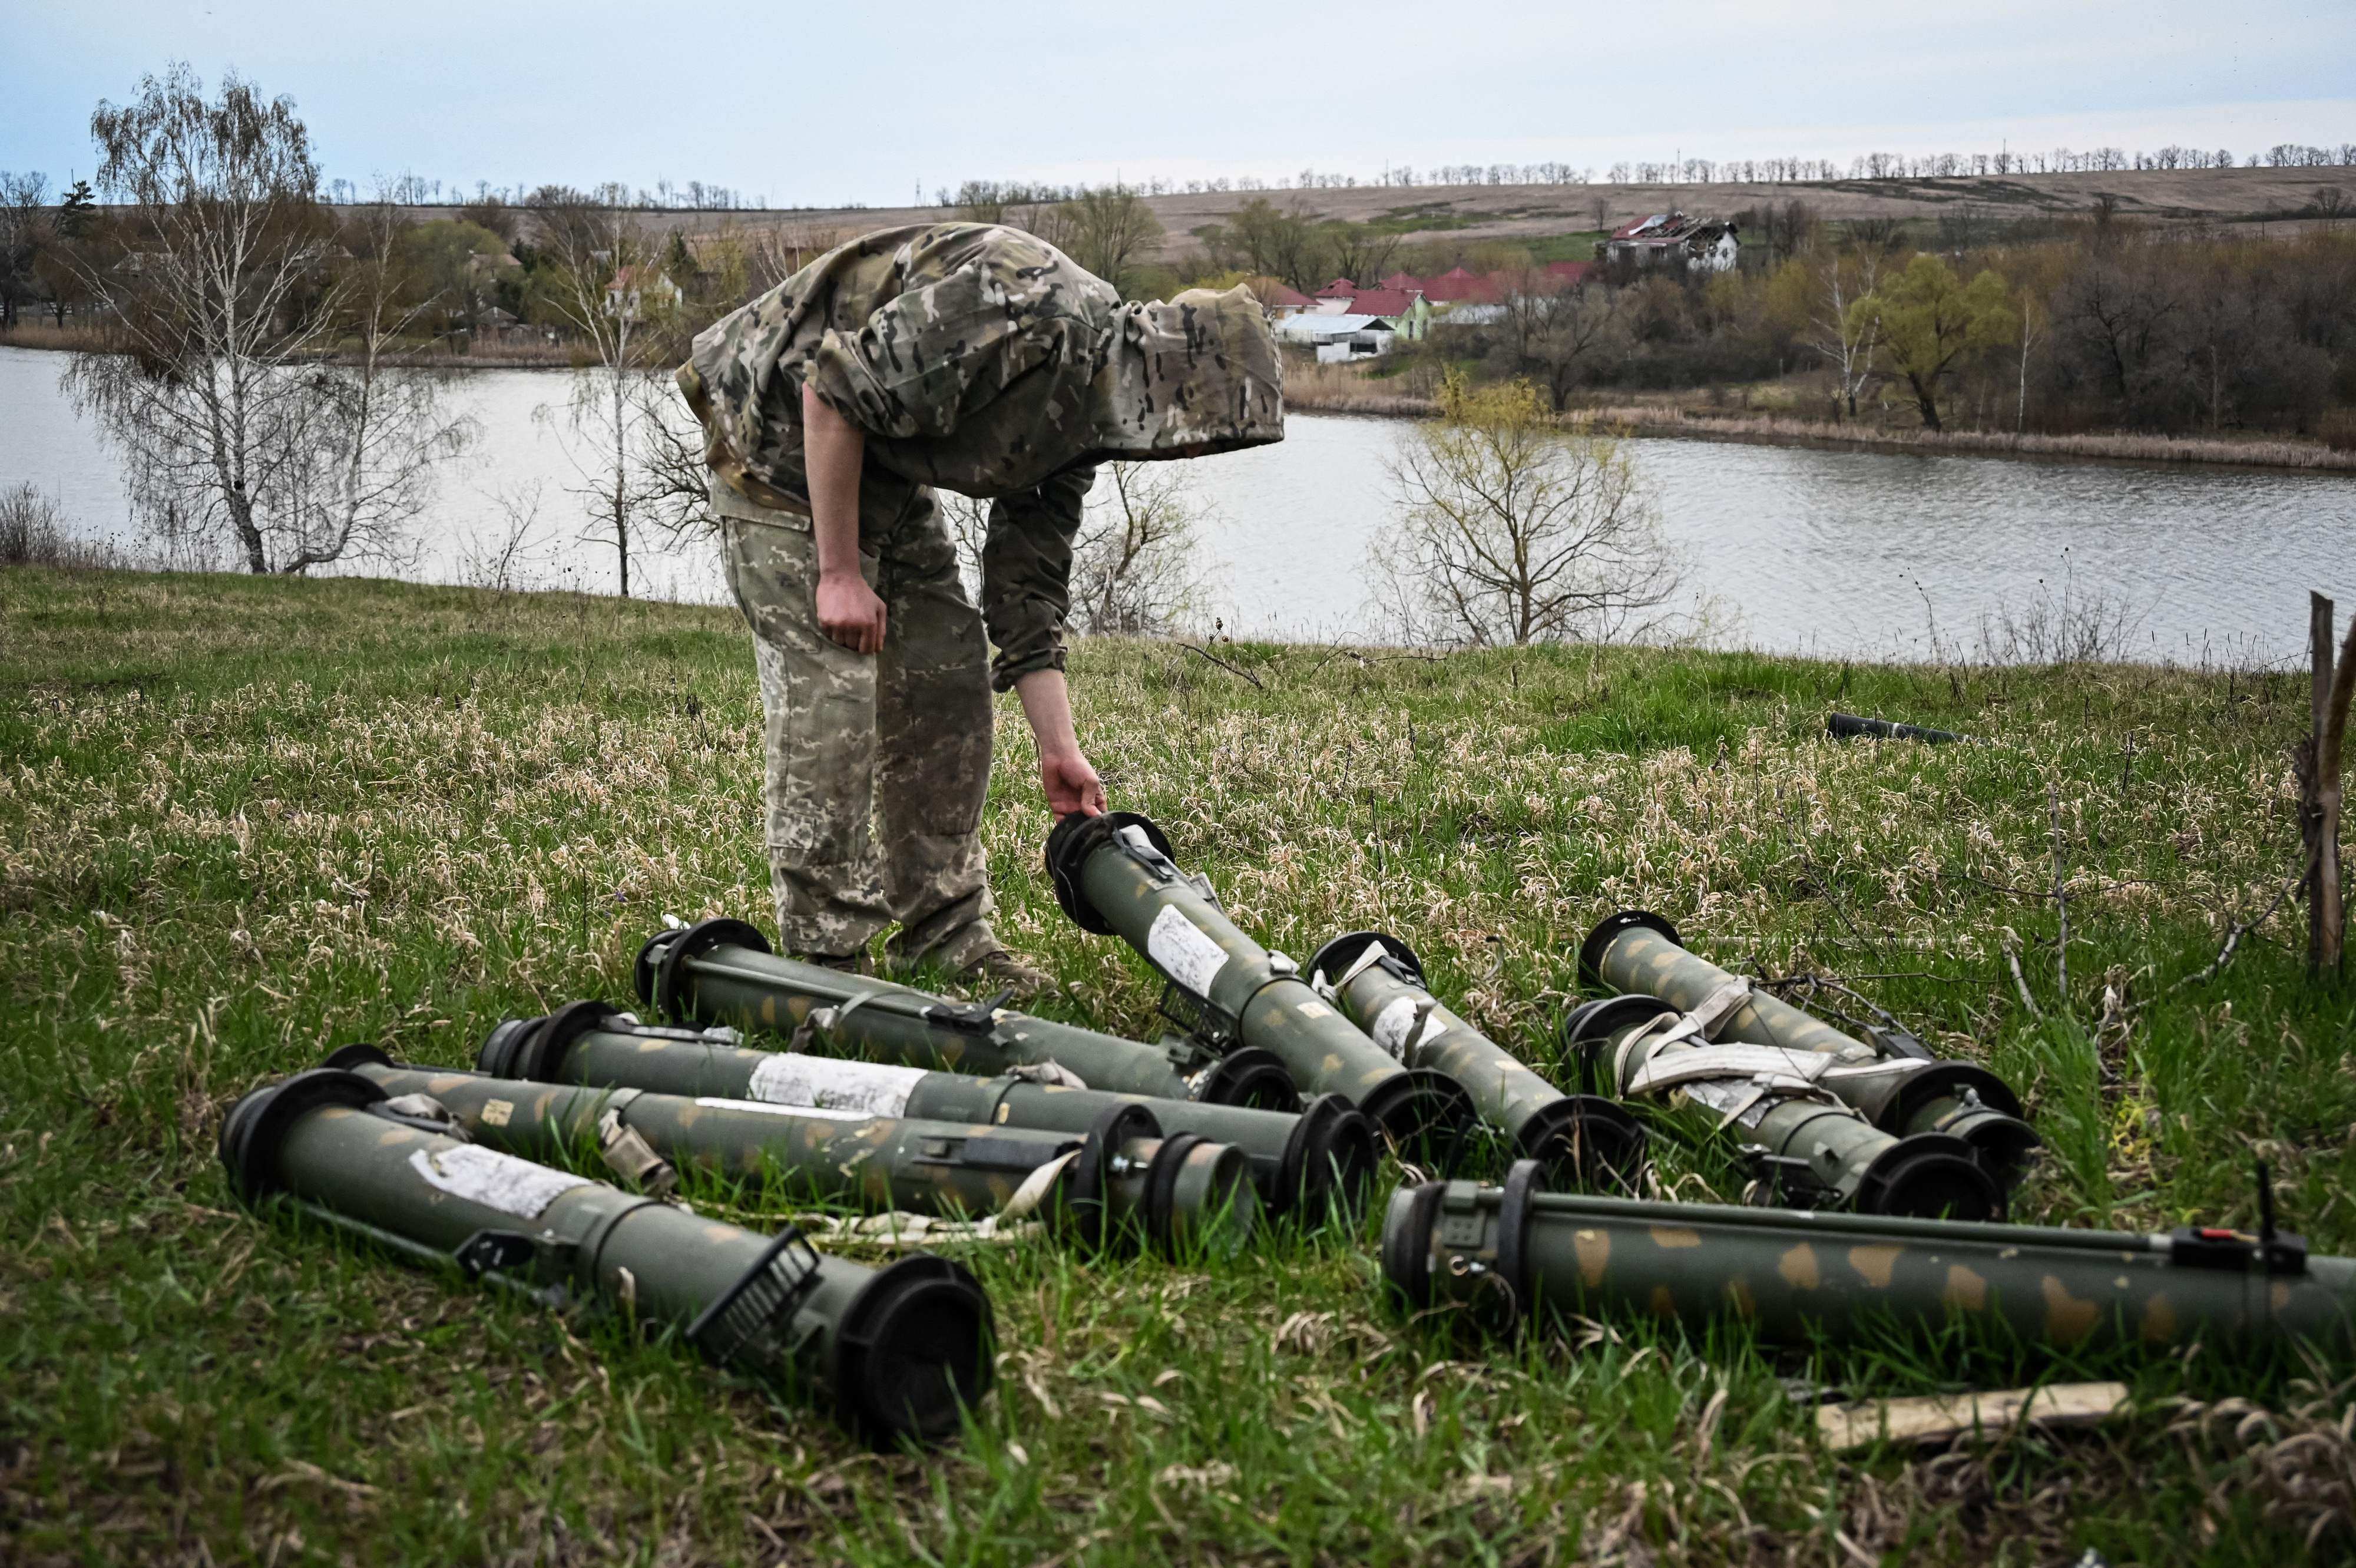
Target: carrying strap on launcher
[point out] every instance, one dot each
(1677, 1052)
(897, 1229)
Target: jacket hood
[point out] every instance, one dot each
(1193, 374)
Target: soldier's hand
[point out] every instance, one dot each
(1071, 784)
(849, 613)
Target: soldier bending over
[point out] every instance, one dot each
(983, 360)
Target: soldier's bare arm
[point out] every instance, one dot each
(848, 610)
(1070, 784)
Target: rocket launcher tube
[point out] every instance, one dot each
(1798, 1274)
(1113, 876)
(882, 1161)
(1636, 950)
(1379, 984)
(898, 1352)
(1810, 1145)
(722, 971)
(1321, 1157)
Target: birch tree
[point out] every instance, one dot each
(224, 302)
(605, 284)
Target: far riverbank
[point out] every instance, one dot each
(1326, 390)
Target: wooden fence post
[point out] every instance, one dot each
(2317, 760)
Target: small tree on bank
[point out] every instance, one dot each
(1511, 530)
(1927, 319)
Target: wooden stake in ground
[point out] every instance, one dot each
(2317, 759)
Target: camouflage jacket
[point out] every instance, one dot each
(984, 361)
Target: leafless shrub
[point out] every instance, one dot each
(2072, 625)
(1136, 564)
(1512, 531)
(499, 560)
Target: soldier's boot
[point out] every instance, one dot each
(998, 971)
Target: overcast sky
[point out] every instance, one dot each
(823, 104)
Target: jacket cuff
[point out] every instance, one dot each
(1007, 669)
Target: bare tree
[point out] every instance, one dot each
(1510, 530)
(224, 304)
(24, 217)
(1136, 566)
(607, 285)
(1558, 330)
(1846, 336)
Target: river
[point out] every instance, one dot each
(1841, 553)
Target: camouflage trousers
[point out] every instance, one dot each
(877, 764)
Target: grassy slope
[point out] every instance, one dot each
(240, 822)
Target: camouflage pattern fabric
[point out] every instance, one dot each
(901, 737)
(982, 360)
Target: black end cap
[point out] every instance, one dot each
(1945, 1080)
(1427, 1115)
(913, 1353)
(1250, 1077)
(1591, 951)
(1070, 843)
(533, 1050)
(1929, 1177)
(1407, 1241)
(359, 1054)
(1085, 1193)
(1584, 1141)
(1514, 1235)
(1586, 1027)
(1336, 957)
(1329, 1160)
(256, 1125)
(1162, 1188)
(657, 975)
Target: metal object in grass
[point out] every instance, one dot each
(723, 973)
(1522, 1252)
(1892, 1081)
(1378, 983)
(1319, 1158)
(1120, 1180)
(899, 1353)
(1850, 726)
(1114, 874)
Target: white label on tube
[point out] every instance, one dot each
(493, 1180)
(872, 1089)
(1180, 950)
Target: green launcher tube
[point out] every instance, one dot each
(1899, 1087)
(1120, 1177)
(1811, 1148)
(1377, 982)
(722, 971)
(1113, 876)
(1319, 1159)
(1521, 1252)
(898, 1353)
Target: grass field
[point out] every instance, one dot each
(243, 821)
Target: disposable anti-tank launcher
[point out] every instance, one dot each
(723, 973)
(1379, 984)
(1113, 876)
(1121, 1180)
(1893, 1081)
(1810, 1148)
(1318, 1159)
(1517, 1253)
(897, 1354)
